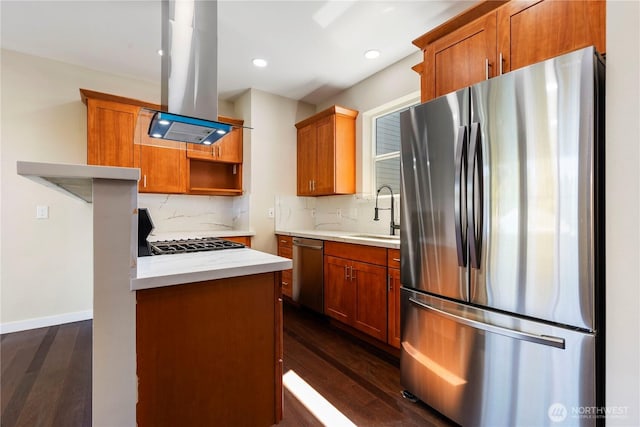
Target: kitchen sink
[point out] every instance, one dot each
(375, 237)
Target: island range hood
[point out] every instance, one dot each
(189, 77)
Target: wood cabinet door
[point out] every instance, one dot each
(532, 31)
(226, 149)
(229, 147)
(306, 159)
(162, 163)
(393, 310)
(111, 129)
(370, 284)
(324, 180)
(461, 58)
(339, 290)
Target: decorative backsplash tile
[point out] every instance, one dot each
(175, 212)
(352, 213)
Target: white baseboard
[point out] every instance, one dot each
(43, 322)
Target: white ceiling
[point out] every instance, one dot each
(314, 48)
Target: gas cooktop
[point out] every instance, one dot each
(165, 247)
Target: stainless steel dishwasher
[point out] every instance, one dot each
(308, 285)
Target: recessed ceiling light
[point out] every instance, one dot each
(259, 62)
(372, 54)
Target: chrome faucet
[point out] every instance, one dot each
(393, 227)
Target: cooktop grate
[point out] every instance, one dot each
(165, 247)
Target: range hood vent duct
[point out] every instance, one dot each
(189, 77)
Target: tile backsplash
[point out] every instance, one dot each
(352, 213)
(176, 212)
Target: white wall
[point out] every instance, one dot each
(623, 211)
(270, 155)
(46, 265)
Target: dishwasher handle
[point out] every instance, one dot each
(302, 245)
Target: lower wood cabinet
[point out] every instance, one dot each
(285, 249)
(393, 297)
(245, 240)
(210, 353)
(355, 287)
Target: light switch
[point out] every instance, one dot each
(42, 212)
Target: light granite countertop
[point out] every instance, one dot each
(358, 238)
(177, 269)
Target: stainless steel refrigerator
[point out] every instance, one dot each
(502, 247)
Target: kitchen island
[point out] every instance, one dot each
(192, 309)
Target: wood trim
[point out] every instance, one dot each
(458, 21)
(335, 109)
(86, 93)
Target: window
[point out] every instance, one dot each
(386, 146)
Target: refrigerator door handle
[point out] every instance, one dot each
(511, 333)
(474, 211)
(460, 170)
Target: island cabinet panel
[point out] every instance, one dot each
(356, 287)
(210, 353)
(326, 150)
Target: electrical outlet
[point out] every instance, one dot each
(42, 212)
(271, 212)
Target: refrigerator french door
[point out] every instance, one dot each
(502, 247)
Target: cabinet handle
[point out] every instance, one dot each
(346, 273)
(310, 186)
(235, 169)
(144, 181)
(353, 276)
(500, 63)
(486, 68)
(389, 285)
(285, 283)
(396, 259)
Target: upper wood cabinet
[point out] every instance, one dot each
(326, 153)
(461, 58)
(226, 149)
(117, 136)
(110, 133)
(162, 163)
(494, 37)
(532, 31)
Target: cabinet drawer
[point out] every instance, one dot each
(284, 241)
(364, 253)
(287, 283)
(393, 258)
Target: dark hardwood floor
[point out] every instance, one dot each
(46, 377)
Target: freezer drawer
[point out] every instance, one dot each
(481, 368)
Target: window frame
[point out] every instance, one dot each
(369, 158)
